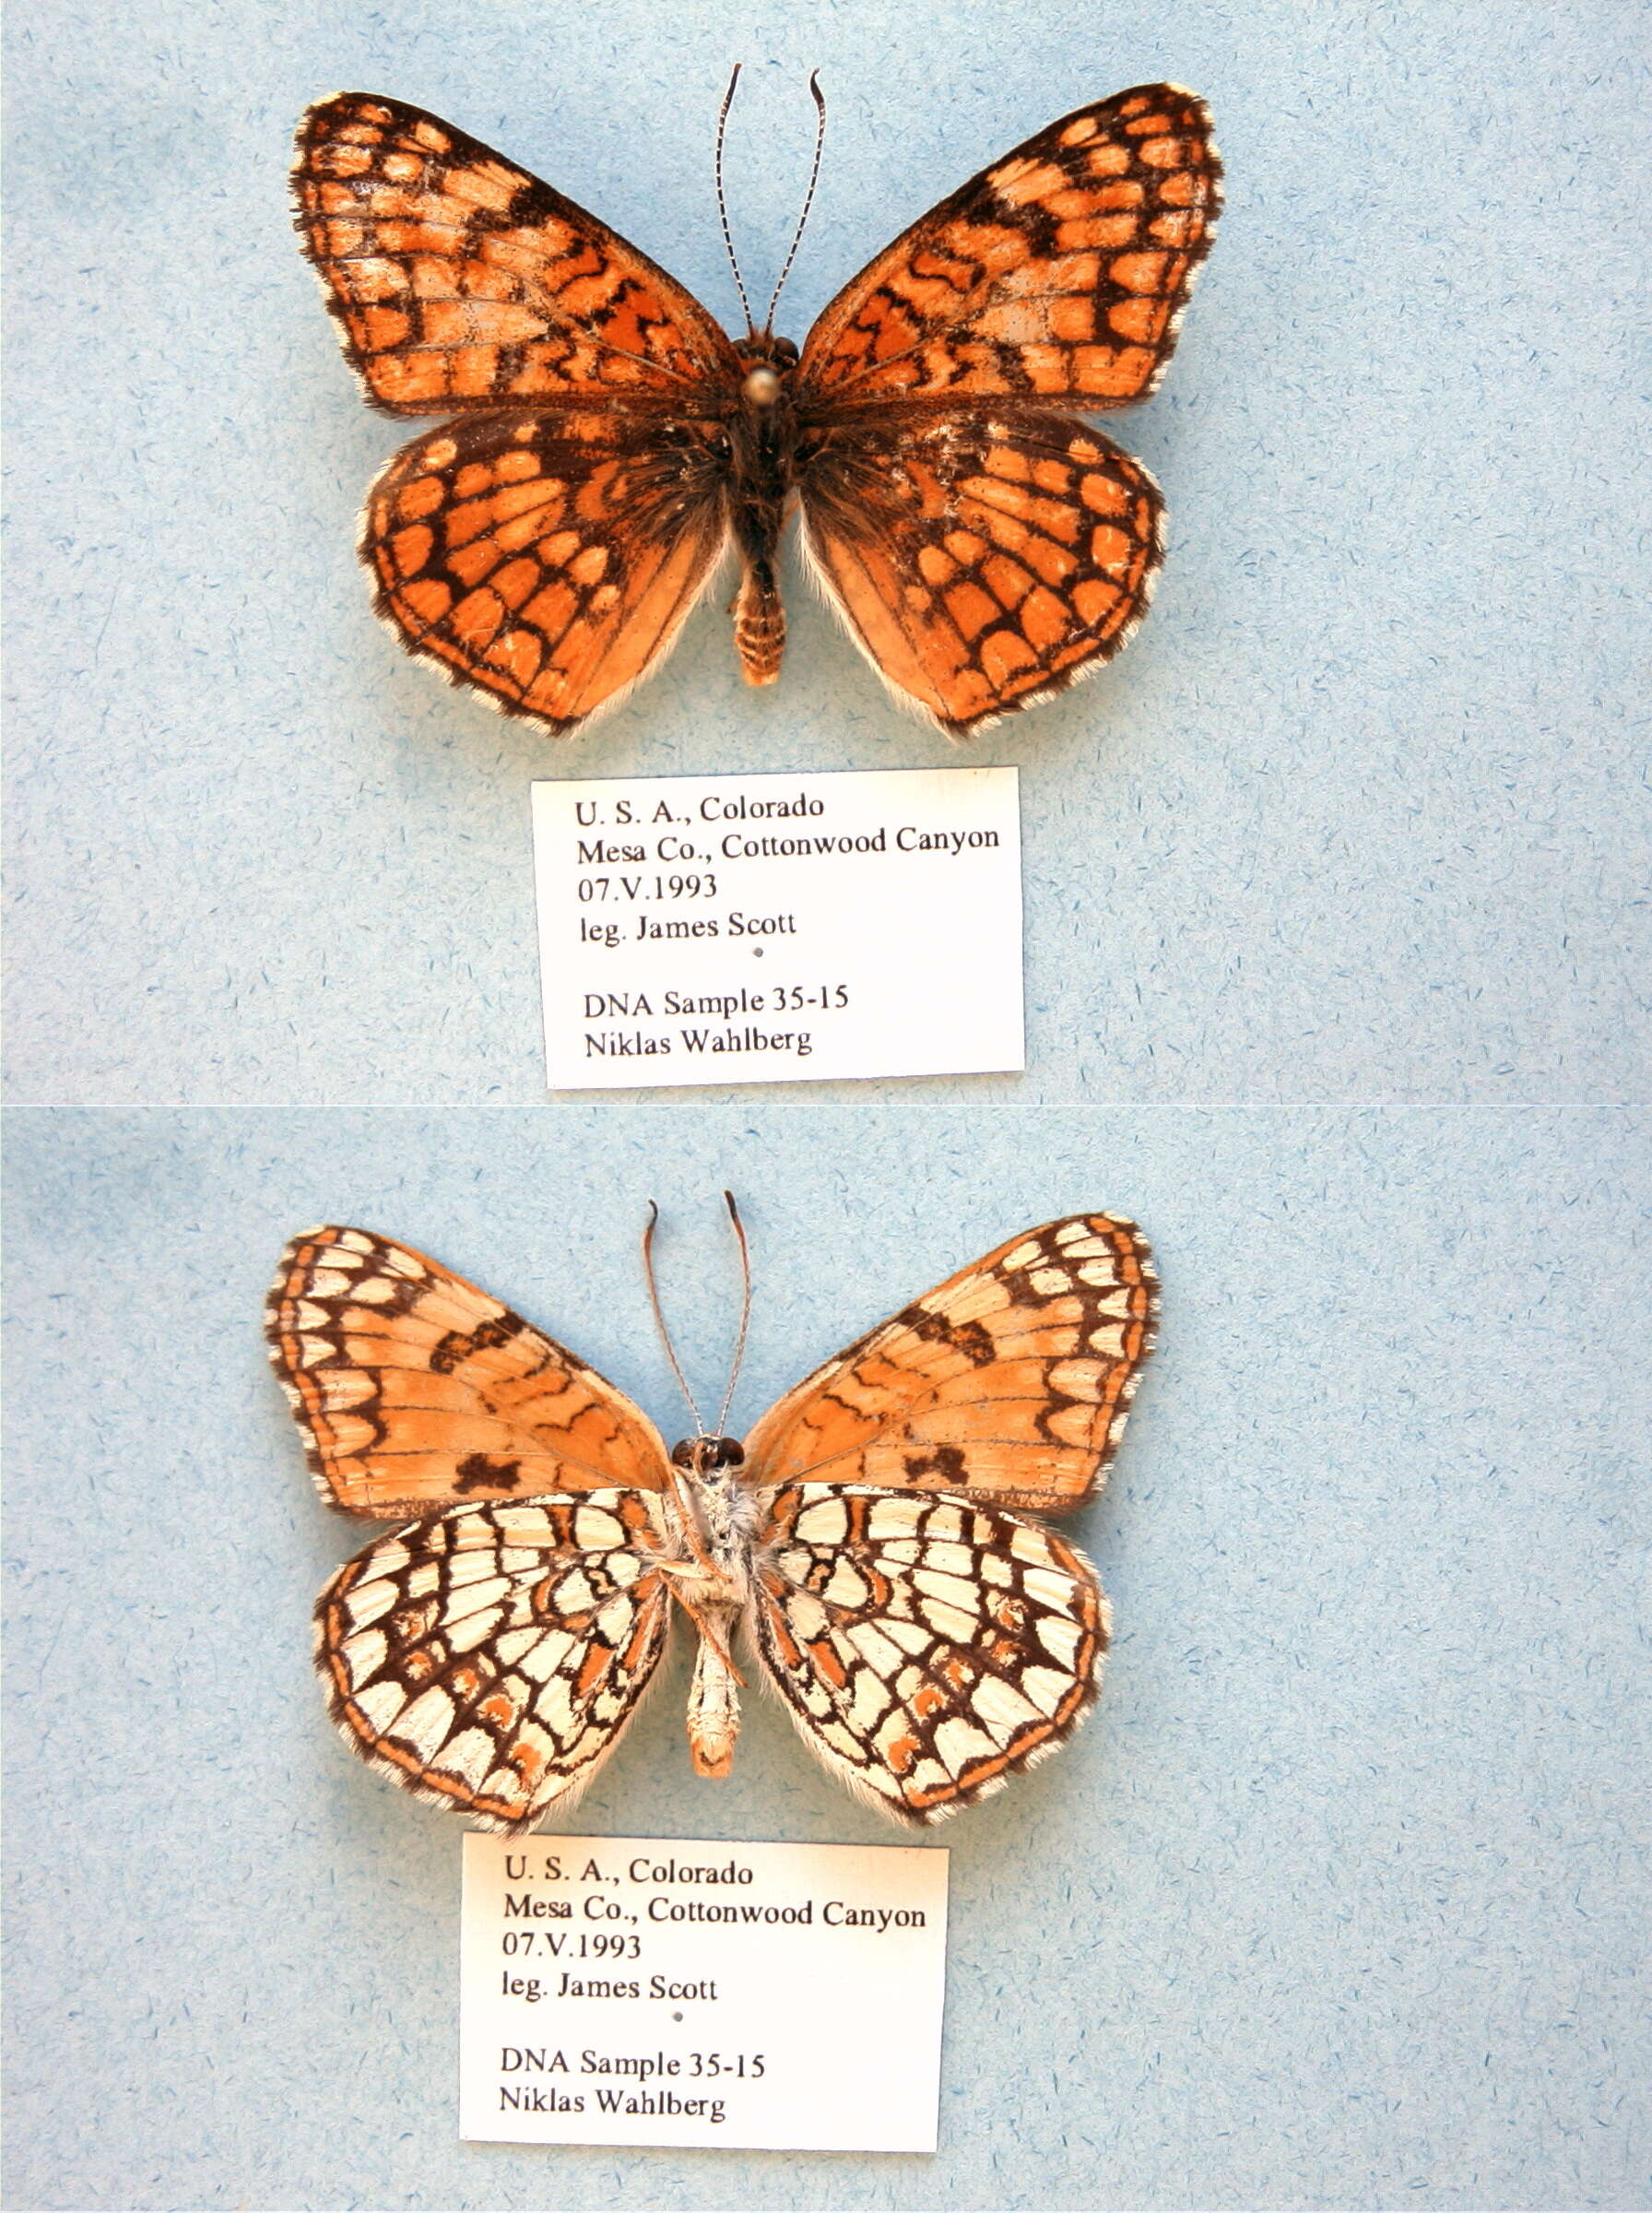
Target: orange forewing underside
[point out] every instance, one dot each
(1010, 1382)
(415, 1391)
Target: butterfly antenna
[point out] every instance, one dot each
(659, 1319)
(723, 204)
(809, 200)
(739, 1343)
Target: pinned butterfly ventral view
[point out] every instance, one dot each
(608, 441)
(871, 1537)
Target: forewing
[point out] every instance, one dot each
(927, 1648)
(548, 559)
(981, 563)
(487, 1659)
(413, 1389)
(1059, 273)
(1008, 1384)
(461, 281)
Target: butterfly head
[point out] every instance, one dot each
(707, 1455)
(768, 362)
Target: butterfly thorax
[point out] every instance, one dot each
(763, 446)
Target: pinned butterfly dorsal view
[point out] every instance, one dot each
(609, 441)
(869, 1545)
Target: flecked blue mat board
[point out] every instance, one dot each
(1356, 815)
(1333, 1903)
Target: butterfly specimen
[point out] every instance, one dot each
(871, 1537)
(607, 441)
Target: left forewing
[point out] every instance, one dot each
(1010, 1383)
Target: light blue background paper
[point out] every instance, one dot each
(1354, 818)
(1332, 1904)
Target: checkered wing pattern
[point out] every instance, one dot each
(981, 562)
(549, 558)
(488, 1658)
(459, 281)
(1059, 273)
(415, 1391)
(927, 1648)
(1009, 1384)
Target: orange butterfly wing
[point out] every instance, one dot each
(549, 558)
(1010, 1383)
(1059, 273)
(983, 563)
(460, 281)
(415, 1391)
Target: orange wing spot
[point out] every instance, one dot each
(1097, 230)
(1141, 320)
(477, 619)
(1072, 319)
(382, 327)
(1097, 601)
(597, 1662)
(470, 564)
(516, 468)
(1103, 493)
(969, 607)
(1109, 371)
(1109, 548)
(900, 1753)
(926, 1700)
(1003, 653)
(1146, 126)
(410, 549)
(1176, 229)
(515, 581)
(1008, 580)
(552, 610)
(421, 497)
(1107, 160)
(517, 655)
(1044, 620)
(1163, 153)
(473, 477)
(965, 547)
(429, 600)
(1138, 272)
(936, 567)
(830, 1665)
(1187, 188)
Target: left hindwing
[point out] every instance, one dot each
(981, 563)
(549, 558)
(488, 1658)
(927, 1648)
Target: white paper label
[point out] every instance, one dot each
(755, 929)
(633, 1990)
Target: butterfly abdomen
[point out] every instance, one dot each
(759, 625)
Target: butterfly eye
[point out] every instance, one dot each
(707, 1455)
